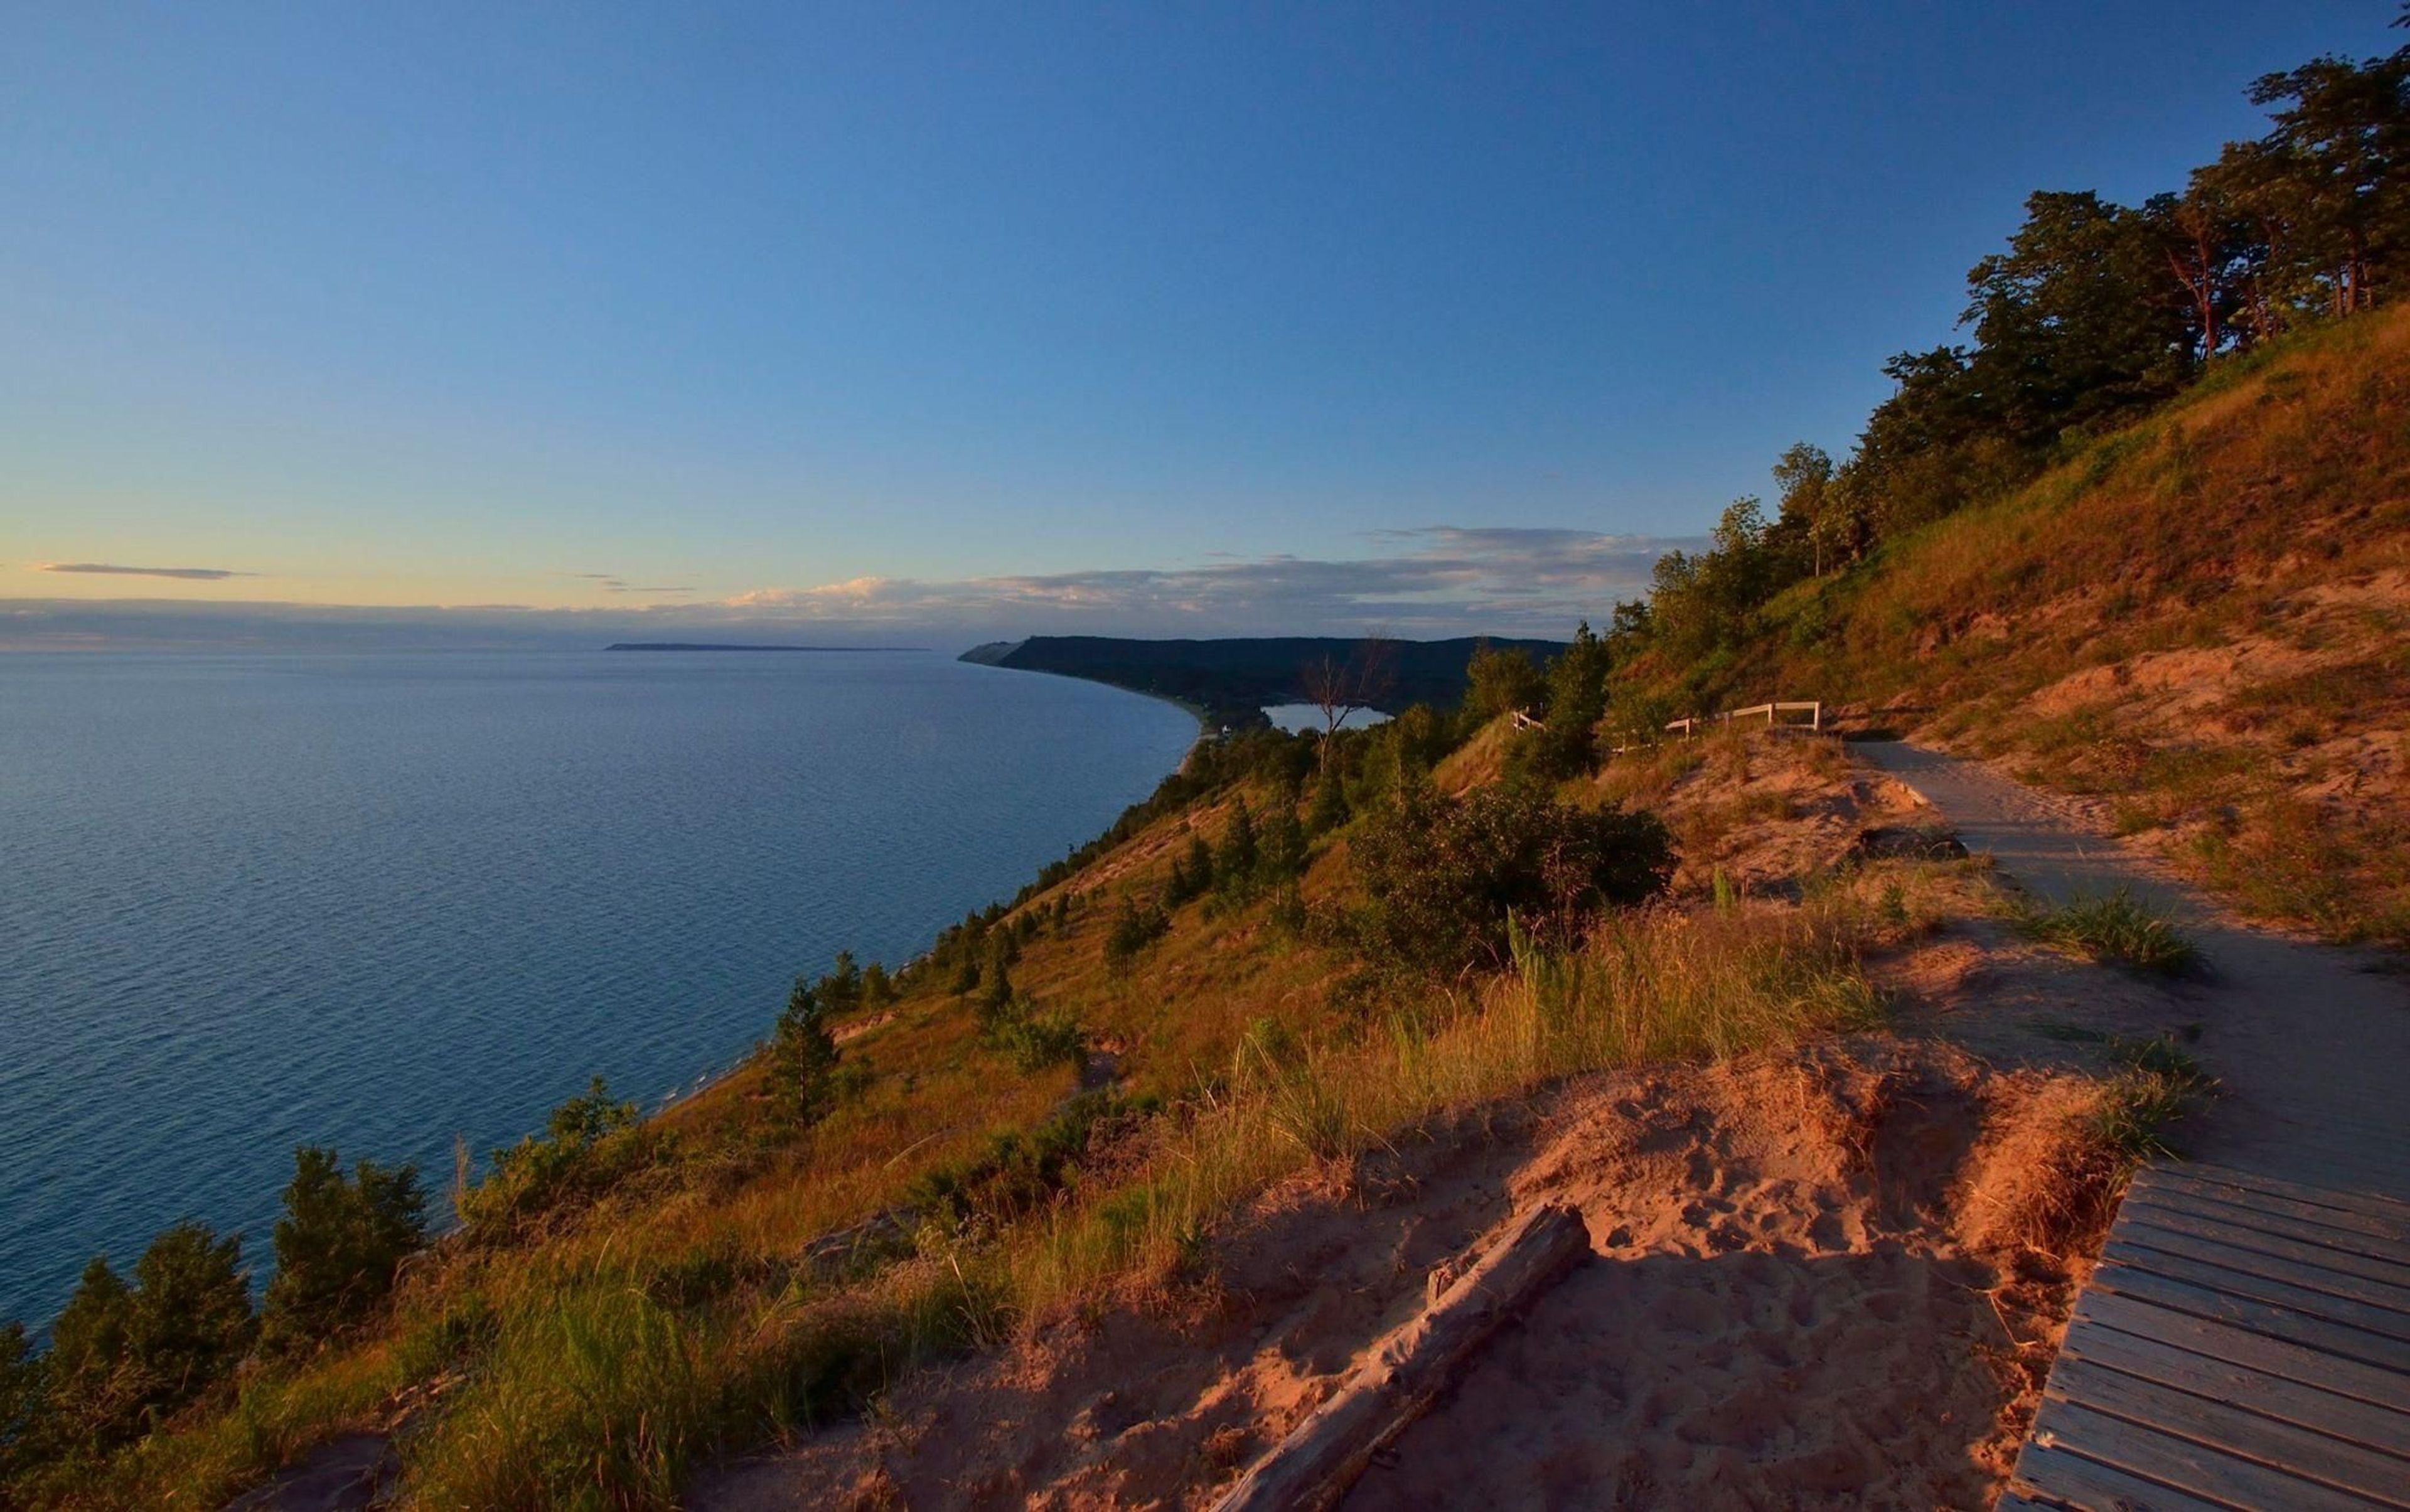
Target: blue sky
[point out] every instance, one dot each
(969, 320)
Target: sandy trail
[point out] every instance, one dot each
(2312, 1042)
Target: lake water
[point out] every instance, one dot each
(380, 901)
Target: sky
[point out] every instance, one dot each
(449, 323)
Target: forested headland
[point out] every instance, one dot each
(1232, 681)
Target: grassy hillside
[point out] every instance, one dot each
(2203, 620)
(727, 1274)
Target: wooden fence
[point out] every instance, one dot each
(1774, 714)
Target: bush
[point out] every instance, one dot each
(1036, 1039)
(1018, 1173)
(588, 1144)
(1134, 929)
(1445, 875)
(339, 1243)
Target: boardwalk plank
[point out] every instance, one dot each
(2371, 1204)
(2233, 1207)
(2140, 1226)
(2233, 1345)
(2259, 1317)
(2266, 1233)
(2209, 1473)
(2249, 1434)
(2382, 1321)
(2059, 1477)
(2394, 1234)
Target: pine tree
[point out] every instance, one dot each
(1284, 841)
(804, 1055)
(840, 991)
(1330, 812)
(1234, 865)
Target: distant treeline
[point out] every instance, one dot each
(1233, 680)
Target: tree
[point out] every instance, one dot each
(803, 1054)
(340, 1243)
(589, 1118)
(1234, 864)
(2342, 133)
(123, 1356)
(1502, 680)
(1805, 475)
(877, 988)
(840, 991)
(1284, 847)
(189, 1320)
(1338, 687)
(24, 1382)
(1331, 810)
(2076, 322)
(996, 998)
(1192, 876)
(1566, 743)
(2205, 241)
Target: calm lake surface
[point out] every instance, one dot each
(380, 901)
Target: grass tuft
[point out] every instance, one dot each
(2116, 926)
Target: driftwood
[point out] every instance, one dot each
(1320, 1458)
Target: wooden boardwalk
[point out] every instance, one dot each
(2244, 1343)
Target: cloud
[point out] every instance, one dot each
(613, 582)
(204, 574)
(1427, 582)
(1434, 580)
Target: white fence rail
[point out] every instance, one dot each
(1779, 714)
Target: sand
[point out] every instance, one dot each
(1803, 1293)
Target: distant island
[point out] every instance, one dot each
(707, 646)
(1232, 681)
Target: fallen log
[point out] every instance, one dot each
(1320, 1458)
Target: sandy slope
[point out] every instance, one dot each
(1805, 1293)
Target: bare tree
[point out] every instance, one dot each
(1341, 687)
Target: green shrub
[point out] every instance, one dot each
(339, 1243)
(1018, 1173)
(1036, 1037)
(1445, 875)
(591, 1142)
(1134, 929)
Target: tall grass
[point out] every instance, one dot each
(1655, 985)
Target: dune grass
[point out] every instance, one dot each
(2117, 927)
